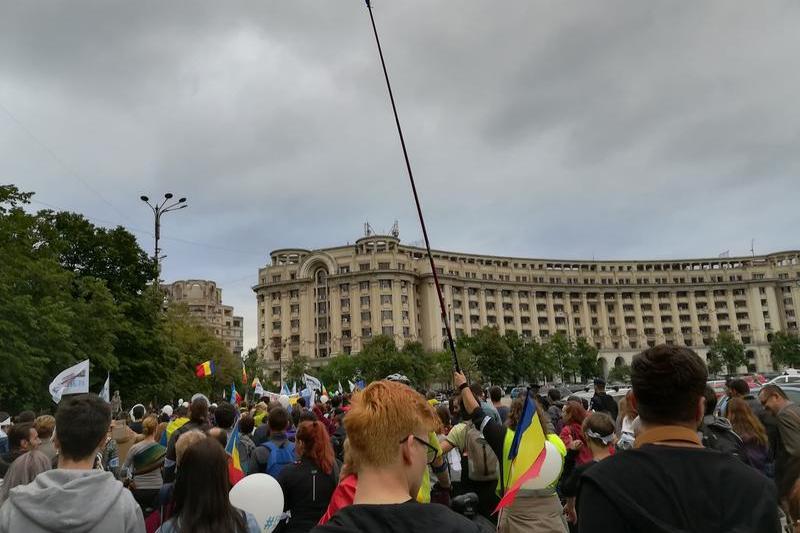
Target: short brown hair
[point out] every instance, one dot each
(770, 389)
(381, 416)
(149, 425)
(45, 425)
(667, 382)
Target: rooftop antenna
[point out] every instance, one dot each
(395, 232)
(368, 230)
(753, 247)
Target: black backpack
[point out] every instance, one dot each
(724, 440)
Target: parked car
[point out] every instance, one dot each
(792, 391)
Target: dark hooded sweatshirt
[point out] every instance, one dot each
(408, 517)
(669, 489)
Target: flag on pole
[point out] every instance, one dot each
(311, 382)
(352, 385)
(285, 390)
(324, 390)
(244, 376)
(256, 381)
(259, 390)
(294, 388)
(340, 388)
(527, 452)
(74, 380)
(235, 465)
(203, 370)
(105, 392)
(236, 398)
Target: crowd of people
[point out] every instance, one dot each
(669, 456)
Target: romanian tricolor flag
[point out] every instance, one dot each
(203, 370)
(527, 452)
(235, 470)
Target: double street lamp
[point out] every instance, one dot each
(159, 209)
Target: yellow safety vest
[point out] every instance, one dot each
(424, 494)
(507, 476)
(175, 424)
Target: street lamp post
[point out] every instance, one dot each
(158, 211)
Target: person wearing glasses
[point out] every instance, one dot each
(388, 428)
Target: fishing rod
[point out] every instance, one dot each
(445, 321)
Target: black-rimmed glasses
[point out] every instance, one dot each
(432, 451)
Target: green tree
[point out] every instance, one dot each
(727, 351)
(256, 367)
(562, 351)
(493, 357)
(784, 348)
(620, 373)
(586, 356)
(296, 368)
(340, 368)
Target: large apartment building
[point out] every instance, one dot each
(204, 300)
(320, 303)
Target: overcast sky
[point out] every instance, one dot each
(607, 129)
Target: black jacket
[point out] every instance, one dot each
(307, 492)
(408, 517)
(603, 403)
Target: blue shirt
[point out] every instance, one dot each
(252, 525)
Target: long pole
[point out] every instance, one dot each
(442, 307)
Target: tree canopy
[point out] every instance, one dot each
(784, 349)
(725, 351)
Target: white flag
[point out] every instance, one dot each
(259, 390)
(73, 380)
(105, 393)
(352, 385)
(340, 388)
(312, 382)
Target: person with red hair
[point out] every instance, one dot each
(308, 484)
(574, 415)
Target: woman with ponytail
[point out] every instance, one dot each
(308, 483)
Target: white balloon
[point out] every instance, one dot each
(284, 401)
(551, 469)
(261, 496)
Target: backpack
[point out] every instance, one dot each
(725, 441)
(279, 457)
(483, 464)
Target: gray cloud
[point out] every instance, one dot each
(614, 129)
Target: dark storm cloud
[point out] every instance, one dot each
(614, 129)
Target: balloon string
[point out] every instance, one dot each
(445, 321)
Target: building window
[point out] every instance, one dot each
(363, 266)
(386, 315)
(386, 299)
(388, 330)
(365, 301)
(276, 277)
(344, 270)
(366, 316)
(345, 303)
(294, 293)
(276, 310)
(384, 266)
(366, 332)
(406, 332)
(385, 284)
(363, 285)
(344, 288)
(295, 323)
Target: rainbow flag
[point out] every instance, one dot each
(203, 370)
(527, 452)
(236, 398)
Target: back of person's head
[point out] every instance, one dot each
(745, 423)
(182, 411)
(336, 402)
(307, 416)
(600, 384)
(246, 424)
(477, 391)
(45, 425)
(219, 435)
(26, 417)
(185, 441)
(201, 490)
(496, 394)
(261, 407)
(382, 417)
(770, 389)
(225, 415)
(82, 423)
(574, 412)
(316, 444)
(138, 411)
(430, 395)
(739, 386)
(554, 395)
(444, 415)
(23, 470)
(278, 419)
(19, 434)
(149, 425)
(598, 428)
(711, 400)
(301, 401)
(627, 406)
(198, 411)
(668, 382)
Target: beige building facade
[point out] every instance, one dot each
(319, 303)
(204, 300)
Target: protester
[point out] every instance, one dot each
(345, 491)
(599, 431)
(137, 414)
(627, 422)
(23, 470)
(181, 418)
(143, 465)
(108, 458)
(488, 408)
(25, 417)
(225, 417)
(277, 452)
(5, 423)
(602, 402)
(165, 415)
(750, 429)
(722, 404)
(787, 449)
(201, 503)
(246, 444)
(198, 419)
(669, 482)
(161, 432)
(45, 425)
(22, 438)
(717, 433)
(74, 497)
(555, 410)
(533, 511)
(574, 415)
(388, 428)
(309, 483)
(496, 395)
